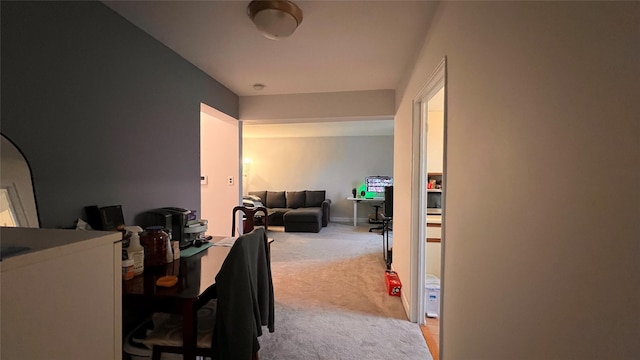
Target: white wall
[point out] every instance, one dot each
(371, 105)
(335, 164)
(435, 142)
(220, 158)
(541, 224)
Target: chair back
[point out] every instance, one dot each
(388, 201)
(249, 221)
(229, 327)
(245, 298)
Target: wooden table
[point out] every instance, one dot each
(196, 286)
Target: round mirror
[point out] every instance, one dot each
(17, 198)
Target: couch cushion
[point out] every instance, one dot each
(295, 199)
(314, 198)
(276, 216)
(305, 219)
(303, 215)
(276, 199)
(261, 194)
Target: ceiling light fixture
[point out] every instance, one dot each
(258, 87)
(276, 19)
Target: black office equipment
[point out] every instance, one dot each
(376, 218)
(387, 217)
(107, 218)
(388, 201)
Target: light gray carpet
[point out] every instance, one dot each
(331, 300)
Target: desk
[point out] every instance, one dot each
(196, 285)
(356, 200)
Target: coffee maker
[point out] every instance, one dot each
(173, 219)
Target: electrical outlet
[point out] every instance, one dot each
(230, 180)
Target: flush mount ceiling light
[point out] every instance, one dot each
(276, 19)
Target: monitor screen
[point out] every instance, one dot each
(376, 184)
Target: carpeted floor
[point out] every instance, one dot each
(331, 300)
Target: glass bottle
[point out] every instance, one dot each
(154, 240)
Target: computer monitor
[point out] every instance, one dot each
(376, 184)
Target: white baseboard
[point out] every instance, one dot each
(405, 301)
(361, 221)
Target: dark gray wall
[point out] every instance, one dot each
(104, 113)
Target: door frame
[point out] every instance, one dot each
(435, 82)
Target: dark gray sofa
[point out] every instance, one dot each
(303, 211)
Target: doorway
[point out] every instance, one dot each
(429, 184)
(220, 169)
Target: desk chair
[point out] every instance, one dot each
(387, 218)
(249, 222)
(377, 219)
(233, 322)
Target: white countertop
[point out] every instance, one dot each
(46, 243)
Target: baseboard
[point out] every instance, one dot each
(403, 298)
(349, 220)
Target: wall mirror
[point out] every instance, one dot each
(17, 197)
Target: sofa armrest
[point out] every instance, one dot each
(326, 212)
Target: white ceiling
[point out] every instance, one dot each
(339, 46)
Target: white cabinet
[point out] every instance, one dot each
(434, 232)
(61, 298)
(433, 259)
(433, 248)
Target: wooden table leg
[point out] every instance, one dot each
(189, 330)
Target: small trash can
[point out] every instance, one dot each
(394, 285)
(432, 296)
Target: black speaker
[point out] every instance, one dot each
(353, 191)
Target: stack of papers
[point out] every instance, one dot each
(228, 241)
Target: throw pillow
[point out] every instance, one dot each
(295, 199)
(314, 198)
(276, 199)
(261, 194)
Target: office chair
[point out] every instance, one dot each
(232, 323)
(376, 219)
(387, 217)
(250, 220)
